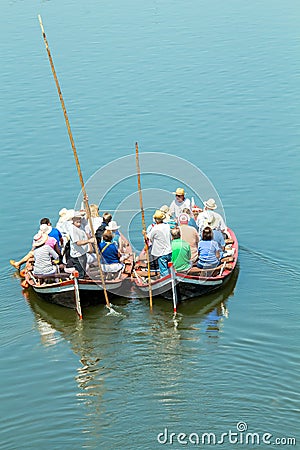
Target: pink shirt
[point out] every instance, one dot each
(51, 241)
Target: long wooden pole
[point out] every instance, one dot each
(85, 197)
(143, 219)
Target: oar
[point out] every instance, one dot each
(174, 292)
(143, 219)
(85, 197)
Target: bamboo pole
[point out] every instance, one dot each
(143, 219)
(85, 197)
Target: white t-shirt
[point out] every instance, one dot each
(160, 236)
(77, 234)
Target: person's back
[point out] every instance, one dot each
(161, 239)
(181, 252)
(110, 256)
(109, 252)
(43, 255)
(208, 250)
(190, 235)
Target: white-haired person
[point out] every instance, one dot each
(43, 255)
(181, 252)
(177, 206)
(160, 239)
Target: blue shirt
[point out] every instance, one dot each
(56, 234)
(110, 253)
(192, 223)
(219, 238)
(207, 252)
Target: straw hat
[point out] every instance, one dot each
(39, 239)
(44, 228)
(112, 226)
(179, 191)
(183, 218)
(159, 215)
(210, 204)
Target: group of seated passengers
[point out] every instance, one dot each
(179, 233)
(186, 237)
(82, 244)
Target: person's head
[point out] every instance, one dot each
(39, 239)
(94, 210)
(45, 220)
(107, 217)
(187, 211)
(207, 234)
(107, 236)
(179, 193)
(196, 211)
(175, 232)
(159, 216)
(77, 221)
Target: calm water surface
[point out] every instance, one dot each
(216, 84)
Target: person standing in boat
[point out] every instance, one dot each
(208, 250)
(181, 252)
(160, 239)
(177, 206)
(106, 218)
(79, 247)
(43, 255)
(207, 213)
(168, 219)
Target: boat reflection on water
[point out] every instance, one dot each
(207, 312)
(55, 323)
(109, 345)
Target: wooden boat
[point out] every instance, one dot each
(195, 282)
(66, 289)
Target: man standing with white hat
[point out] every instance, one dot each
(209, 215)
